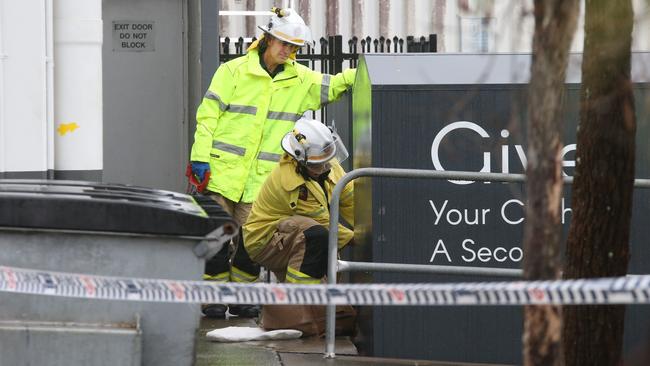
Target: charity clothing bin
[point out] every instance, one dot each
(462, 112)
(108, 230)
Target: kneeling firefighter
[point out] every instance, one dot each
(287, 230)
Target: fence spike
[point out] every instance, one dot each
(226, 46)
(433, 43)
(240, 45)
(354, 41)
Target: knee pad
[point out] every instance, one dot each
(314, 263)
(219, 263)
(242, 260)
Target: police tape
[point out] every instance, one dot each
(621, 290)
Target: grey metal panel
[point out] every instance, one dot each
(203, 60)
(397, 130)
(168, 329)
(145, 131)
(209, 40)
(87, 175)
(194, 43)
(25, 175)
(425, 68)
(40, 343)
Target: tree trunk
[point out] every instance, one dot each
(250, 22)
(555, 23)
(332, 21)
(598, 242)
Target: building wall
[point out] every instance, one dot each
(23, 91)
(50, 89)
(461, 25)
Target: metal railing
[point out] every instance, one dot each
(331, 54)
(334, 265)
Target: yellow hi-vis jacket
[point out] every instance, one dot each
(245, 114)
(286, 193)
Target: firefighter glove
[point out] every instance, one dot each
(199, 169)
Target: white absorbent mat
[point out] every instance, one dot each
(243, 334)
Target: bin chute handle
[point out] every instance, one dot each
(214, 241)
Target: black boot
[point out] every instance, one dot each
(245, 310)
(214, 311)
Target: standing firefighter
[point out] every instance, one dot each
(287, 228)
(251, 103)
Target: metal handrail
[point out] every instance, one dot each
(333, 266)
(347, 266)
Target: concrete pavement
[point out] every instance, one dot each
(298, 352)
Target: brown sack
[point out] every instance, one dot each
(310, 319)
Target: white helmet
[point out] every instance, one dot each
(311, 142)
(288, 26)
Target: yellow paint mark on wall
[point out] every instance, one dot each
(66, 127)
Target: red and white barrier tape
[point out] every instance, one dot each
(623, 290)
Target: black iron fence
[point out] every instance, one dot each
(332, 55)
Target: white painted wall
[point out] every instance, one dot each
(24, 131)
(50, 75)
(510, 28)
(78, 84)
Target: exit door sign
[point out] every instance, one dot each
(133, 36)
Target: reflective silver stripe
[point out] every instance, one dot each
(239, 277)
(244, 109)
(298, 278)
(231, 107)
(324, 89)
(228, 148)
(214, 96)
(268, 156)
(285, 116)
